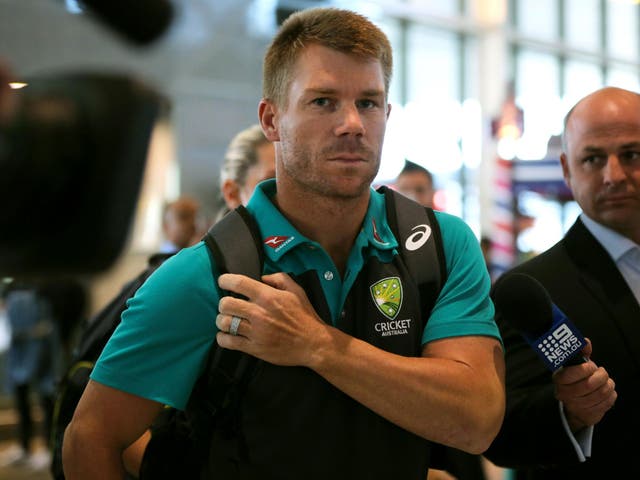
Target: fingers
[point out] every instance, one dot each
(572, 374)
(586, 401)
(590, 391)
(233, 331)
(240, 284)
(590, 409)
(251, 288)
(233, 325)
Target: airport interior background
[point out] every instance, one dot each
(478, 95)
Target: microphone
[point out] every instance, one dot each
(522, 302)
(139, 21)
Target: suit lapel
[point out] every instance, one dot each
(601, 278)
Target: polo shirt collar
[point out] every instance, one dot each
(279, 236)
(375, 227)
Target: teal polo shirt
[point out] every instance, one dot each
(160, 348)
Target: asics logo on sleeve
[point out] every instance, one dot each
(418, 238)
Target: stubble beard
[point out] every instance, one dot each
(301, 167)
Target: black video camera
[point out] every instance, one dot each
(72, 158)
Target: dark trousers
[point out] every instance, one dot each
(25, 415)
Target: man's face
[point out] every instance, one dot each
(180, 225)
(330, 132)
(602, 161)
(417, 186)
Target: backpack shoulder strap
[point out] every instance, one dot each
(234, 242)
(420, 244)
(235, 246)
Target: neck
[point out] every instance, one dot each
(333, 222)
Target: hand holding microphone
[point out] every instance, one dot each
(586, 391)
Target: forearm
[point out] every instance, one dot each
(445, 400)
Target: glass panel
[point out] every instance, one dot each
(472, 68)
(448, 8)
(433, 63)
(581, 78)
(624, 77)
(433, 111)
(547, 225)
(582, 24)
(392, 29)
(537, 74)
(537, 93)
(622, 30)
(537, 19)
(393, 149)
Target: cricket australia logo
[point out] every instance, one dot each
(387, 295)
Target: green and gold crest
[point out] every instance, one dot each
(387, 295)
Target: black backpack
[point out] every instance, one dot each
(180, 440)
(92, 340)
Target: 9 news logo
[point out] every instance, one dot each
(559, 345)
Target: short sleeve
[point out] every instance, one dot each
(160, 347)
(463, 306)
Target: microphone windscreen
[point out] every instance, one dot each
(523, 303)
(139, 21)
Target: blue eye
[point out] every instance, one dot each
(630, 157)
(593, 159)
(366, 104)
(321, 102)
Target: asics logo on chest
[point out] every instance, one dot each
(418, 238)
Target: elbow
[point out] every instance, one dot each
(487, 425)
(479, 436)
(77, 437)
(483, 424)
(484, 438)
(84, 449)
(70, 444)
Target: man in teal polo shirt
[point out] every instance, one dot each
(341, 392)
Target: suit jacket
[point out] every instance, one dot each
(584, 282)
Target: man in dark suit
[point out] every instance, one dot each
(578, 422)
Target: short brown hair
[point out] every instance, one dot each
(341, 30)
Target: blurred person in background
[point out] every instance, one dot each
(249, 159)
(416, 182)
(32, 366)
(181, 224)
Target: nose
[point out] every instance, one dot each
(613, 171)
(350, 121)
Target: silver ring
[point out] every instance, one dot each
(235, 323)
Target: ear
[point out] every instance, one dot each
(388, 110)
(231, 194)
(564, 162)
(267, 113)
